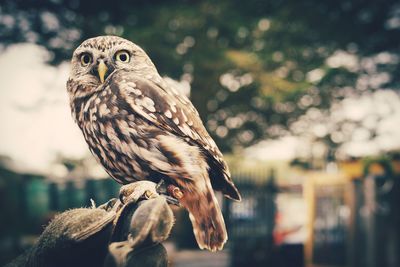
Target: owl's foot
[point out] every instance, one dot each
(138, 190)
(146, 190)
(170, 192)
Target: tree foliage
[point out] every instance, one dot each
(255, 66)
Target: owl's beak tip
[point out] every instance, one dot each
(102, 70)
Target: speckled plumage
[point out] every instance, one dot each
(140, 128)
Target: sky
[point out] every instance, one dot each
(34, 110)
(364, 126)
(37, 125)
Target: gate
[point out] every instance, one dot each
(376, 233)
(250, 223)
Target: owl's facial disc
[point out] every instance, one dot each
(94, 61)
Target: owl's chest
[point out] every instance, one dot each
(104, 123)
(114, 137)
(111, 130)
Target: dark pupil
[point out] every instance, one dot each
(86, 59)
(123, 57)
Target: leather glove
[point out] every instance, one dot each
(121, 233)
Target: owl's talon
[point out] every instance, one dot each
(175, 191)
(172, 200)
(162, 189)
(121, 199)
(148, 194)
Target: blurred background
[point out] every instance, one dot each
(301, 96)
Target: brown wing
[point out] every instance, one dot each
(173, 112)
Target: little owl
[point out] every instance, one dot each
(140, 128)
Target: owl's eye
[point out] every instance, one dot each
(86, 59)
(122, 56)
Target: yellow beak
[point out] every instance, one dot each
(102, 69)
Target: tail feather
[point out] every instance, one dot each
(206, 217)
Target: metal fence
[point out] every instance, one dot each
(355, 224)
(28, 202)
(250, 222)
(375, 225)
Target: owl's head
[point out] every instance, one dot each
(97, 58)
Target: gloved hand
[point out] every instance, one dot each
(121, 233)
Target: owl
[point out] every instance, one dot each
(141, 128)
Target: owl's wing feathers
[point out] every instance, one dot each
(171, 111)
